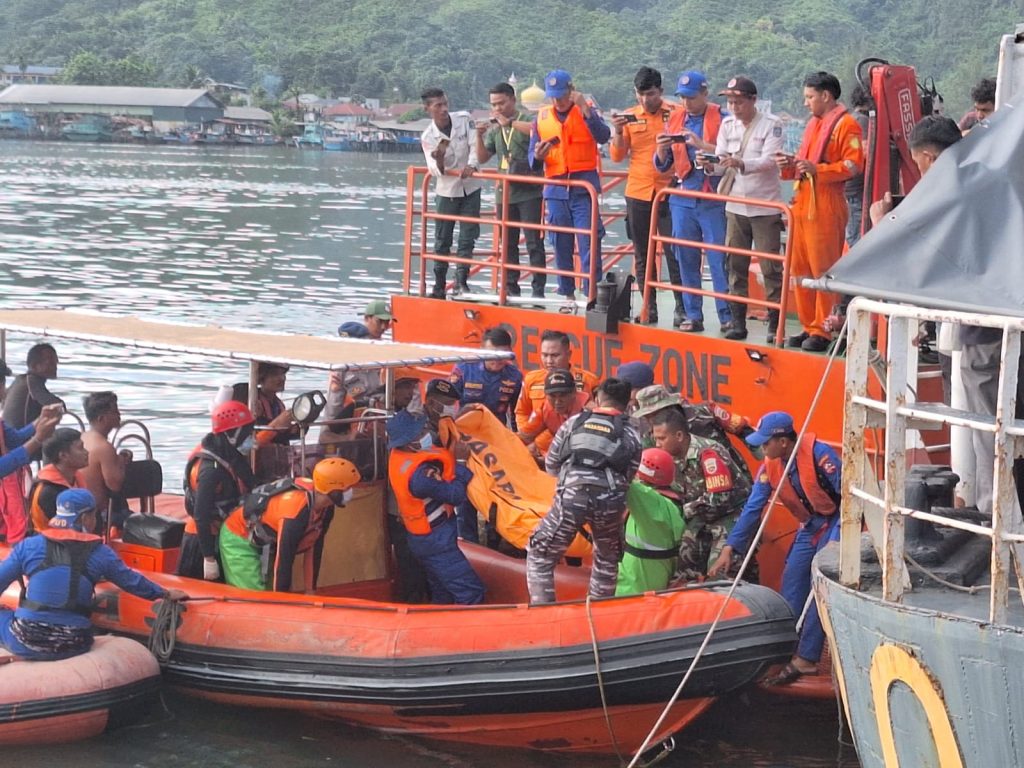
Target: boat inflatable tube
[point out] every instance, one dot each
(47, 702)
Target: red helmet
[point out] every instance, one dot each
(657, 468)
(230, 415)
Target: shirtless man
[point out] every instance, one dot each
(104, 476)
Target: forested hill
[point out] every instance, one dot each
(394, 48)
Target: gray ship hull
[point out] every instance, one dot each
(922, 686)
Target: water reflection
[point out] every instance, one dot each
(270, 238)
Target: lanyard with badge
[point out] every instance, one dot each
(507, 137)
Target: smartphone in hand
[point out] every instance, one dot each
(554, 142)
(707, 158)
(678, 137)
(629, 117)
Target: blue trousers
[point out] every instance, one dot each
(574, 212)
(704, 222)
(796, 580)
(451, 577)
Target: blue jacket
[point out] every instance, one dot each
(498, 390)
(746, 524)
(50, 586)
(16, 455)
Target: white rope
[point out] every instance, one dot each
(746, 560)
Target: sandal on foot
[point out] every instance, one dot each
(788, 675)
(692, 326)
(569, 308)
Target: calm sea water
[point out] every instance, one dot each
(262, 238)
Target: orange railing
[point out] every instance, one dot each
(651, 284)
(419, 215)
(417, 255)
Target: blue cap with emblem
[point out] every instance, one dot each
(638, 375)
(691, 83)
(557, 83)
(71, 505)
(771, 425)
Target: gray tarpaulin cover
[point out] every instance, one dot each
(957, 240)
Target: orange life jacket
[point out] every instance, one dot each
(681, 164)
(816, 152)
(48, 474)
(284, 505)
(806, 468)
(401, 467)
(192, 480)
(576, 150)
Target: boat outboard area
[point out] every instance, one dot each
(925, 611)
(335, 631)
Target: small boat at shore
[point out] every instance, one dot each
(49, 702)
(575, 676)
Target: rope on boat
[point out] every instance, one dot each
(165, 630)
(600, 681)
(634, 763)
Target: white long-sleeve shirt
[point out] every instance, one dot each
(760, 176)
(461, 153)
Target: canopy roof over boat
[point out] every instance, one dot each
(957, 240)
(316, 352)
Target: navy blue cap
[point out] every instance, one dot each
(404, 427)
(638, 375)
(771, 425)
(353, 330)
(691, 83)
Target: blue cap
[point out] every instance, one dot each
(353, 330)
(638, 375)
(404, 427)
(71, 505)
(557, 83)
(771, 425)
(690, 83)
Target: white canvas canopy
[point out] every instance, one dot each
(317, 352)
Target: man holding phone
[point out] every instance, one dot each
(830, 153)
(449, 146)
(507, 136)
(564, 141)
(747, 144)
(693, 130)
(635, 136)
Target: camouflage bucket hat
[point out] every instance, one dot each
(654, 398)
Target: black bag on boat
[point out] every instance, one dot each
(153, 531)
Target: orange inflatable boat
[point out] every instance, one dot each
(505, 674)
(45, 702)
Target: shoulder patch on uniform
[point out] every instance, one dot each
(763, 477)
(717, 476)
(777, 131)
(827, 464)
(854, 142)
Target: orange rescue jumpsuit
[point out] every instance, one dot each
(819, 210)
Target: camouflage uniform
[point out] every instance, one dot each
(714, 488)
(593, 496)
(708, 419)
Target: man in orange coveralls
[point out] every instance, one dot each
(831, 152)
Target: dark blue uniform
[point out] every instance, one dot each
(498, 390)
